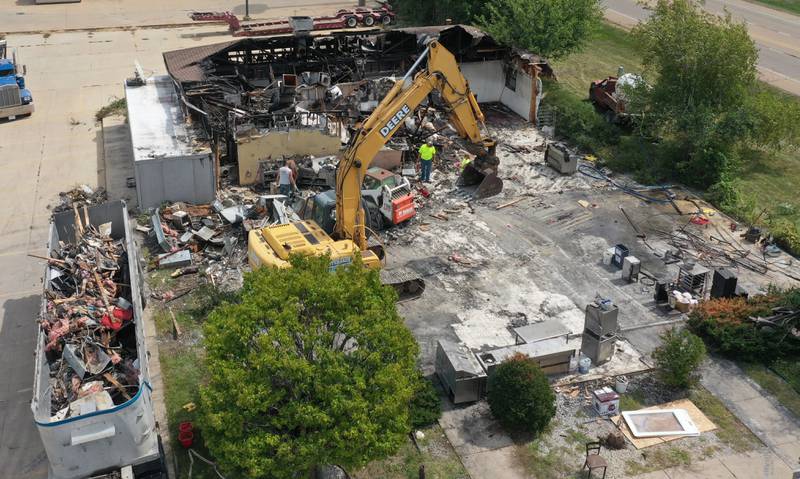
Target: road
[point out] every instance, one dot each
(777, 35)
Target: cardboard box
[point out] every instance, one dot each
(605, 401)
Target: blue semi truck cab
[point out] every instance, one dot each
(15, 99)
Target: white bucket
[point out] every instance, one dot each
(622, 385)
(583, 365)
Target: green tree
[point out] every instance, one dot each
(551, 28)
(678, 357)
(426, 406)
(308, 368)
(700, 73)
(520, 396)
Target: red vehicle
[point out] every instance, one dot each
(343, 19)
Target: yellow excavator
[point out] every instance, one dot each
(272, 245)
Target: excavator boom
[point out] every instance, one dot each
(272, 245)
(442, 74)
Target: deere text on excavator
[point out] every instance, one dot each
(271, 246)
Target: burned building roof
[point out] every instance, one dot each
(352, 55)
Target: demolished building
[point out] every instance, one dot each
(259, 100)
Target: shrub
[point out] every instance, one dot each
(426, 407)
(520, 396)
(678, 357)
(725, 326)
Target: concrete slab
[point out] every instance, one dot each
(790, 453)
(708, 469)
(652, 475)
(472, 429)
(767, 420)
(764, 465)
(728, 385)
(497, 464)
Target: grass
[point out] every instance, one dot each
(541, 463)
(438, 456)
(578, 439)
(791, 6)
(730, 430)
(775, 385)
(631, 401)
(789, 370)
(116, 107)
(768, 177)
(610, 48)
(659, 458)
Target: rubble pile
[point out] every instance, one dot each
(212, 239)
(88, 323)
(79, 196)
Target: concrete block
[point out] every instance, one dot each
(175, 260)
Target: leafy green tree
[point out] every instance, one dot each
(678, 357)
(426, 406)
(309, 367)
(520, 396)
(700, 72)
(551, 28)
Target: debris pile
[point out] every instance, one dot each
(212, 239)
(79, 196)
(88, 323)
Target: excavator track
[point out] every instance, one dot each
(408, 284)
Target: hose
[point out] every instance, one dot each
(597, 174)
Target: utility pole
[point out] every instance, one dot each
(247, 9)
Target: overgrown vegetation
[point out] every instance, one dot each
(426, 406)
(762, 174)
(435, 453)
(551, 28)
(520, 396)
(308, 368)
(726, 326)
(678, 357)
(115, 107)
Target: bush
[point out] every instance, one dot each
(520, 396)
(678, 357)
(426, 407)
(725, 325)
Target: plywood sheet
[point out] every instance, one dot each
(700, 420)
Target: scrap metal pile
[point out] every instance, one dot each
(88, 323)
(213, 235)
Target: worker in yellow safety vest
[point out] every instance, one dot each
(426, 154)
(465, 161)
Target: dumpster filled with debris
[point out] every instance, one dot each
(91, 399)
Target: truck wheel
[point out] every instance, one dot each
(351, 22)
(369, 20)
(374, 218)
(386, 20)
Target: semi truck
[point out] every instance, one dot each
(15, 99)
(115, 439)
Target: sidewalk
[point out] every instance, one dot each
(757, 409)
(751, 465)
(26, 16)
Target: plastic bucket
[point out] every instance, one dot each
(583, 365)
(186, 438)
(622, 385)
(185, 427)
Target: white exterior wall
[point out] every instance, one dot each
(487, 82)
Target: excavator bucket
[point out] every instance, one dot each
(487, 181)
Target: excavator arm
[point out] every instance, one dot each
(443, 75)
